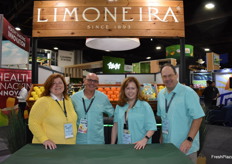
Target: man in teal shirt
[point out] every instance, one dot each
(90, 105)
(181, 113)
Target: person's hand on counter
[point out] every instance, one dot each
(141, 144)
(185, 146)
(48, 144)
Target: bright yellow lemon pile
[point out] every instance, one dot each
(36, 92)
(160, 87)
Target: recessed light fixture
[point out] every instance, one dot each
(207, 49)
(158, 47)
(209, 6)
(148, 57)
(55, 48)
(151, 39)
(17, 28)
(107, 50)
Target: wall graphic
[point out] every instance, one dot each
(9, 80)
(222, 83)
(10, 52)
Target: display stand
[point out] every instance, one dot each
(108, 89)
(155, 64)
(213, 61)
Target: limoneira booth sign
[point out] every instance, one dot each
(113, 65)
(173, 51)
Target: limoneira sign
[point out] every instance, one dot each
(132, 18)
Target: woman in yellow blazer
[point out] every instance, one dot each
(52, 119)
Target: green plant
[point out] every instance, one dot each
(16, 131)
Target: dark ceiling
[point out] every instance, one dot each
(212, 29)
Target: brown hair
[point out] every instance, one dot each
(122, 97)
(49, 83)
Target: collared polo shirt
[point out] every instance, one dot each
(100, 105)
(140, 120)
(184, 108)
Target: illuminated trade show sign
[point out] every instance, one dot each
(113, 65)
(14, 36)
(173, 51)
(137, 18)
(9, 80)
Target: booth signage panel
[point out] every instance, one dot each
(15, 36)
(113, 65)
(136, 67)
(125, 18)
(216, 59)
(9, 80)
(10, 52)
(145, 67)
(128, 68)
(222, 79)
(65, 58)
(174, 51)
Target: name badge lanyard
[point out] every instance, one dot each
(86, 110)
(65, 112)
(167, 105)
(126, 113)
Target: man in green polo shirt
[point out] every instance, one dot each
(181, 113)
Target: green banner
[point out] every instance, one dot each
(113, 65)
(174, 51)
(136, 67)
(144, 67)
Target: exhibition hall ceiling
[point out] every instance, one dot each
(203, 29)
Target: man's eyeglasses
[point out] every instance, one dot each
(92, 81)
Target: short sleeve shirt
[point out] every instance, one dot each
(140, 120)
(184, 108)
(100, 105)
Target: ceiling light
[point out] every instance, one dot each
(148, 57)
(207, 49)
(158, 47)
(17, 28)
(107, 50)
(209, 6)
(151, 39)
(55, 48)
(112, 44)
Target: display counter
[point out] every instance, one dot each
(92, 154)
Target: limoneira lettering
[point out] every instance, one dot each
(108, 15)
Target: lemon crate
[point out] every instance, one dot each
(34, 94)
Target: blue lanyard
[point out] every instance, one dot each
(167, 105)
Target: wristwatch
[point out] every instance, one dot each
(190, 139)
(147, 137)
